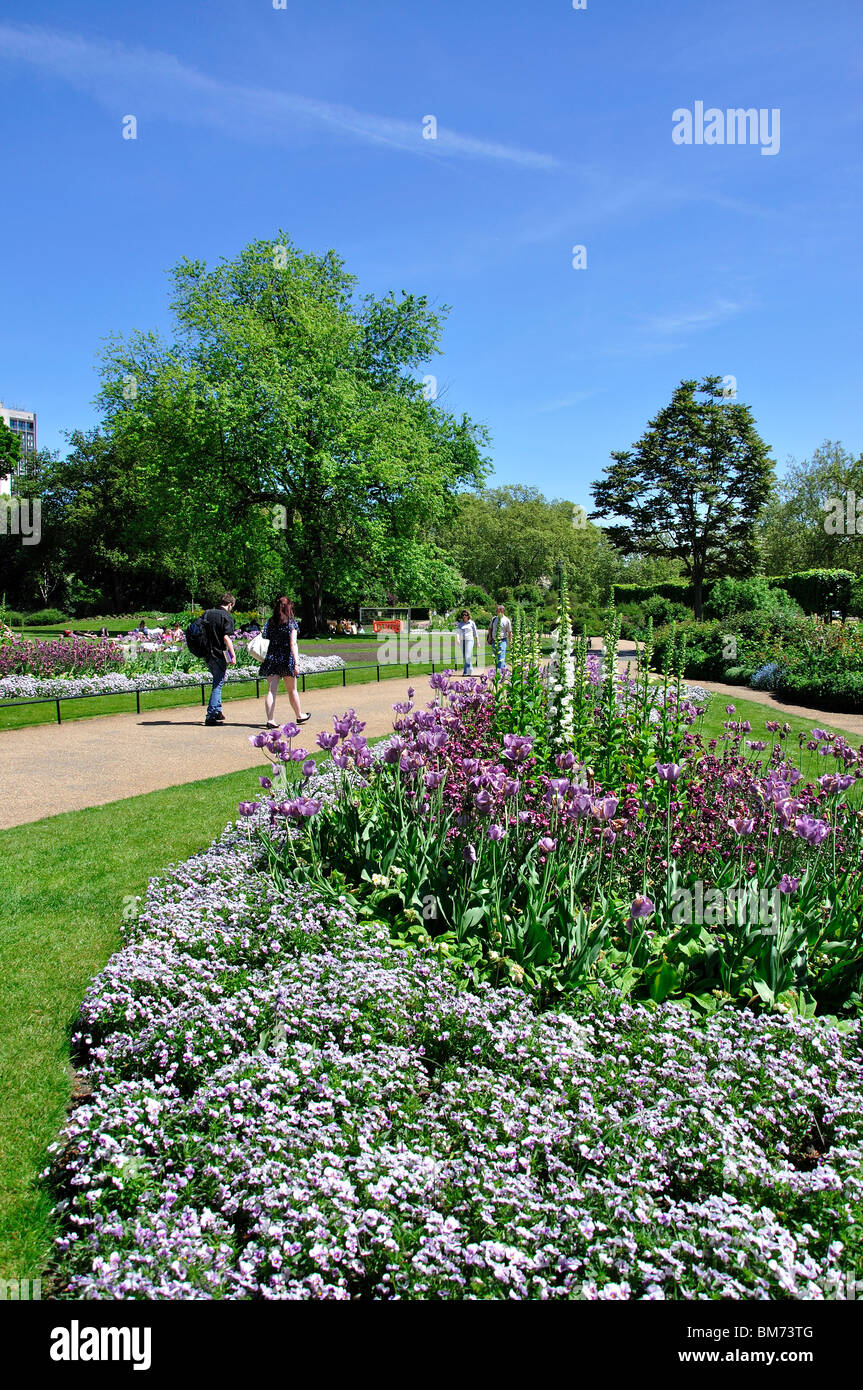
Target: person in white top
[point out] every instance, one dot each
(468, 639)
(499, 635)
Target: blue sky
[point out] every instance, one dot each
(554, 129)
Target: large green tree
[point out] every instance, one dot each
(799, 527)
(510, 536)
(287, 417)
(692, 488)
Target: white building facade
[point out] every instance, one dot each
(22, 423)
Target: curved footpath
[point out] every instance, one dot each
(50, 768)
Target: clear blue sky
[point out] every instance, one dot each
(554, 130)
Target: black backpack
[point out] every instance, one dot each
(198, 638)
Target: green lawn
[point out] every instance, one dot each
(64, 883)
(757, 714)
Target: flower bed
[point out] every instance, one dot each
(23, 687)
(286, 1105)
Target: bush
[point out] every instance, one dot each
(677, 590)
(819, 591)
(47, 617)
(833, 690)
(855, 598)
(705, 647)
(755, 595)
(11, 617)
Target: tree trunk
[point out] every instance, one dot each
(697, 595)
(313, 605)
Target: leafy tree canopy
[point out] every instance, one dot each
(692, 487)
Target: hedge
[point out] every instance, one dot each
(817, 590)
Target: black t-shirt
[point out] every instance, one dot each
(219, 624)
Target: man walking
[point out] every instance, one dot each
(499, 635)
(219, 627)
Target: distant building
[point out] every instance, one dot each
(22, 423)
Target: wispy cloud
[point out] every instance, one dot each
(148, 83)
(564, 402)
(689, 320)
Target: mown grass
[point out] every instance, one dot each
(64, 885)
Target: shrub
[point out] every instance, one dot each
(46, 617)
(677, 590)
(835, 690)
(819, 590)
(855, 598)
(755, 595)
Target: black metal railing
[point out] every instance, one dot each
(57, 700)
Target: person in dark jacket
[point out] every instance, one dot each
(219, 626)
(280, 663)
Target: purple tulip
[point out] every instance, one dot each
(788, 884)
(290, 730)
(265, 782)
(248, 808)
(468, 854)
(641, 906)
(813, 831)
(327, 741)
(547, 844)
(742, 825)
(483, 802)
(309, 767)
(496, 832)
(668, 772)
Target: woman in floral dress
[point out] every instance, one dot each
(280, 663)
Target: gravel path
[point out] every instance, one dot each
(51, 768)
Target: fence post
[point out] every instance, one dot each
(344, 676)
(303, 677)
(407, 670)
(203, 696)
(257, 689)
(59, 721)
(138, 700)
(378, 669)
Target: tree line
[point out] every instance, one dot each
(281, 440)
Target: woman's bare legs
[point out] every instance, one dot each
(291, 687)
(270, 697)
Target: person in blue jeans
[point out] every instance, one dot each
(499, 635)
(219, 626)
(468, 640)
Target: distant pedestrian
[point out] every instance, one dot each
(219, 627)
(280, 663)
(468, 639)
(499, 634)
